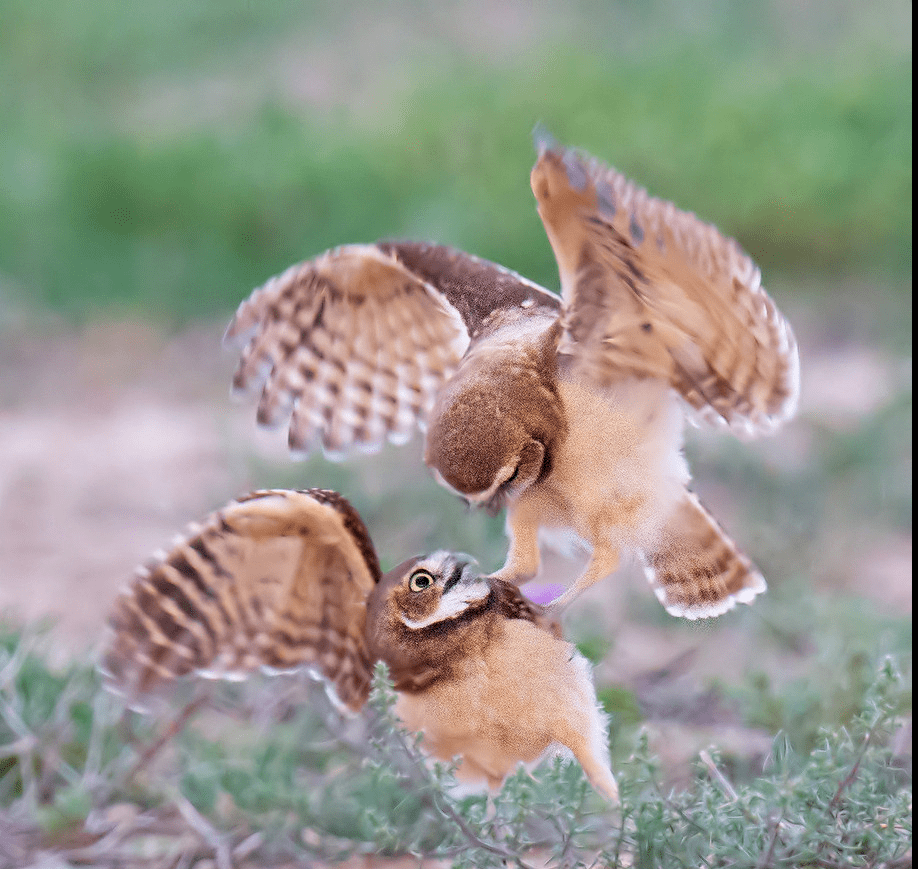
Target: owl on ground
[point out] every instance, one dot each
(567, 411)
(284, 580)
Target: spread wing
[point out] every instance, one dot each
(276, 579)
(696, 570)
(653, 291)
(354, 345)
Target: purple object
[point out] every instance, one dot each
(543, 593)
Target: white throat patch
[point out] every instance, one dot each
(455, 602)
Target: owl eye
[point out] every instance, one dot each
(420, 580)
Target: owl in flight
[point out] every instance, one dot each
(567, 411)
(290, 579)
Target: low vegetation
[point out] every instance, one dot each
(268, 773)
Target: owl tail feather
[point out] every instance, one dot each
(696, 570)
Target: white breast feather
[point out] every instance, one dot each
(623, 443)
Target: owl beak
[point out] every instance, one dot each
(463, 571)
(454, 577)
(492, 506)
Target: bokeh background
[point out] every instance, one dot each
(159, 160)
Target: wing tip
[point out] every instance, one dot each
(543, 140)
(139, 687)
(754, 586)
(237, 334)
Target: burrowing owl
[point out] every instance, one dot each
(568, 411)
(289, 579)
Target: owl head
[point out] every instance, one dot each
(425, 591)
(426, 610)
(496, 424)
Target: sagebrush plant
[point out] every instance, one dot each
(268, 773)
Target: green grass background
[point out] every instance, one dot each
(159, 160)
(162, 159)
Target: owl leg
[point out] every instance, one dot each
(522, 562)
(605, 560)
(597, 771)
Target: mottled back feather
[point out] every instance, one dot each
(475, 287)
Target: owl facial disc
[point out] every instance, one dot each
(441, 587)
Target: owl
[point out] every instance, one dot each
(569, 412)
(283, 580)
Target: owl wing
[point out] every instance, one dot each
(276, 579)
(654, 291)
(696, 570)
(354, 345)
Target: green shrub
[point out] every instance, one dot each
(221, 776)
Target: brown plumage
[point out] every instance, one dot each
(255, 584)
(695, 569)
(654, 291)
(568, 411)
(290, 579)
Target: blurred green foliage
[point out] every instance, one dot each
(165, 159)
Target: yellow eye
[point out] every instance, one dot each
(420, 580)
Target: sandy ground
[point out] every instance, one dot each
(110, 441)
(114, 437)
